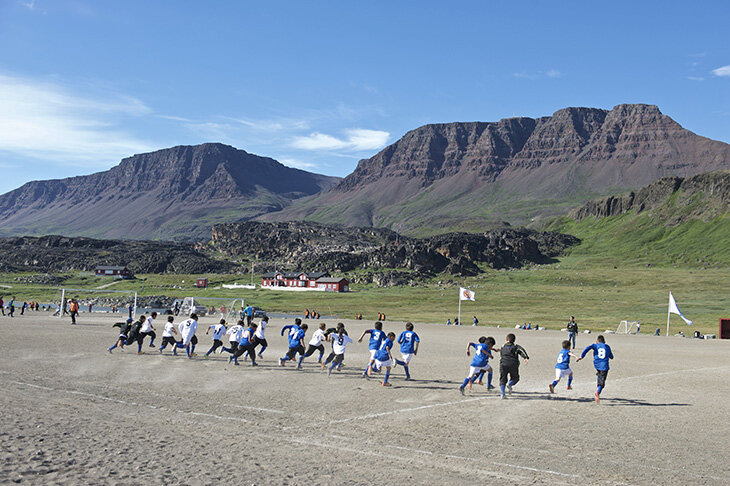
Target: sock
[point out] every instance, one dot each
(179, 344)
(405, 368)
(510, 383)
(262, 350)
(320, 357)
(599, 389)
(474, 378)
(113, 346)
(466, 382)
(163, 346)
(387, 375)
(367, 368)
(139, 346)
(192, 349)
(301, 358)
(570, 380)
(332, 365)
(489, 378)
(555, 382)
(481, 375)
(187, 350)
(501, 389)
(284, 358)
(399, 362)
(209, 351)
(225, 349)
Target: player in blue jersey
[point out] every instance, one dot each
(383, 358)
(376, 338)
(409, 342)
(480, 362)
(562, 367)
(246, 345)
(601, 354)
(509, 364)
(296, 342)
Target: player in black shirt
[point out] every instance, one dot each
(124, 328)
(509, 364)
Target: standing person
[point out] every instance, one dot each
(168, 336)
(234, 334)
(131, 310)
(339, 343)
(260, 336)
(601, 354)
(409, 342)
(509, 364)
(476, 321)
(246, 345)
(480, 362)
(383, 358)
(187, 330)
(148, 329)
(315, 344)
(2, 305)
(562, 367)
(218, 331)
(572, 330)
(376, 338)
(124, 328)
(11, 306)
(296, 343)
(73, 310)
(22, 308)
(248, 312)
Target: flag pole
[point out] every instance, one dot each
(459, 318)
(670, 296)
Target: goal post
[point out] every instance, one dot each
(99, 300)
(225, 307)
(628, 327)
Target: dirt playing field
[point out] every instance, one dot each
(72, 413)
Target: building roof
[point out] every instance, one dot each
(331, 280)
(270, 275)
(110, 267)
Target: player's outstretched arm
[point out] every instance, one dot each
(585, 351)
(362, 335)
(468, 346)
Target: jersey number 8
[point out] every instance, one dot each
(601, 353)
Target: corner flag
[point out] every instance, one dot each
(675, 310)
(465, 294)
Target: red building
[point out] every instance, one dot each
(334, 284)
(305, 280)
(112, 271)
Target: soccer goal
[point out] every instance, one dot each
(95, 300)
(628, 327)
(225, 307)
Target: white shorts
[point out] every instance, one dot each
(407, 357)
(559, 373)
(473, 370)
(380, 364)
(372, 354)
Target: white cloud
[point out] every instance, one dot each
(45, 120)
(550, 73)
(695, 78)
(298, 164)
(553, 73)
(355, 140)
(722, 71)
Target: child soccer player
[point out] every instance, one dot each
(315, 344)
(296, 342)
(187, 330)
(376, 338)
(234, 334)
(245, 345)
(409, 342)
(339, 343)
(167, 335)
(124, 328)
(260, 336)
(601, 354)
(218, 331)
(148, 329)
(562, 368)
(327, 334)
(509, 364)
(480, 363)
(383, 357)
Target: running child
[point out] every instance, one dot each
(134, 333)
(168, 335)
(187, 330)
(218, 331)
(376, 338)
(124, 328)
(509, 364)
(296, 343)
(383, 358)
(562, 367)
(234, 334)
(409, 342)
(480, 362)
(339, 343)
(327, 333)
(315, 344)
(601, 354)
(245, 345)
(260, 335)
(148, 329)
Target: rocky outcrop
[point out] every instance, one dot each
(64, 254)
(674, 199)
(314, 246)
(172, 193)
(446, 176)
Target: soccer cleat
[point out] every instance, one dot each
(160, 350)
(491, 387)
(236, 364)
(568, 387)
(461, 389)
(281, 362)
(110, 351)
(230, 358)
(552, 388)
(259, 355)
(329, 371)
(395, 363)
(386, 384)
(254, 363)
(152, 345)
(299, 367)
(509, 389)
(598, 397)
(480, 382)
(502, 396)
(140, 352)
(205, 356)
(408, 378)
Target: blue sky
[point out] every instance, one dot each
(319, 85)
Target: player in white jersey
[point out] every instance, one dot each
(315, 344)
(339, 343)
(148, 329)
(260, 335)
(219, 330)
(187, 330)
(168, 335)
(234, 334)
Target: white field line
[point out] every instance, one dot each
(674, 372)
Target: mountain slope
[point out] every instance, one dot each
(672, 221)
(467, 176)
(175, 193)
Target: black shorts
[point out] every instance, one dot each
(339, 358)
(602, 374)
(233, 346)
(262, 342)
(169, 340)
(512, 370)
(291, 354)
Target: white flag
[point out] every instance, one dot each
(675, 310)
(465, 294)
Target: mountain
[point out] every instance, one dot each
(674, 220)
(175, 193)
(468, 176)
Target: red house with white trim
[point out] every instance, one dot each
(305, 280)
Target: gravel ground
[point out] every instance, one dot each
(74, 414)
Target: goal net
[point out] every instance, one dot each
(225, 307)
(95, 300)
(628, 327)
